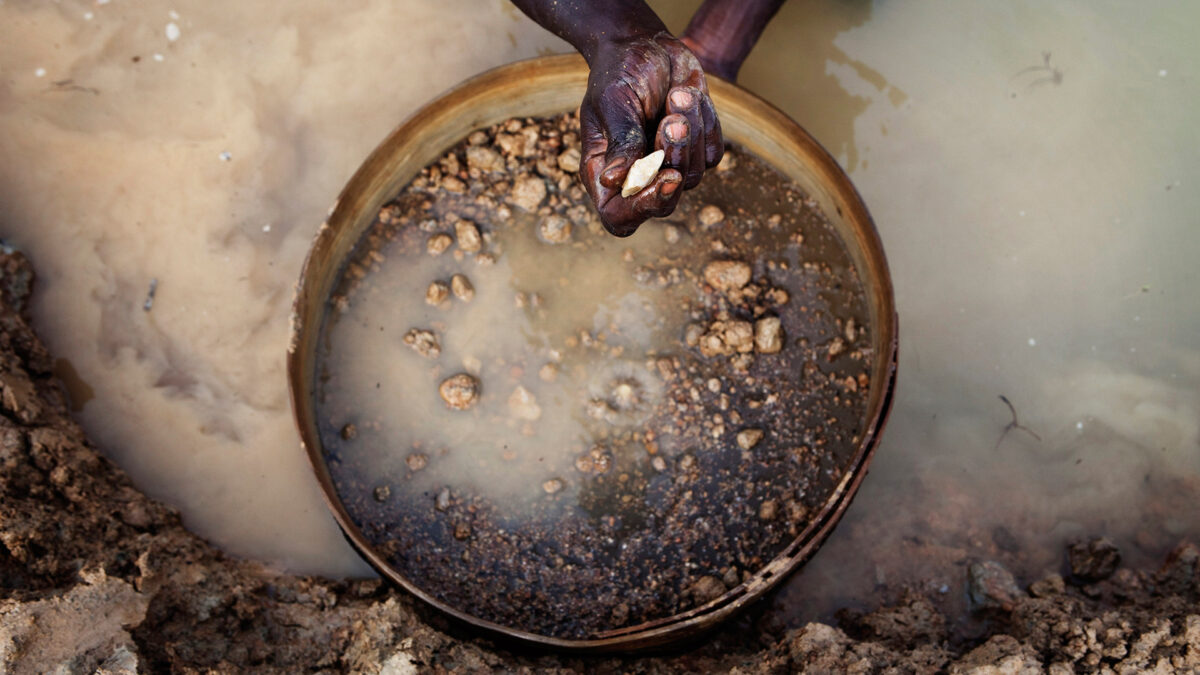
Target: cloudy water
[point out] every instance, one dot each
(1032, 169)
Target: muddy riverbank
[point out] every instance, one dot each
(97, 577)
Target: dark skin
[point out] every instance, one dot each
(644, 80)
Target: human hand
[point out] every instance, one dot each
(638, 84)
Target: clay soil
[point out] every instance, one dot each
(96, 577)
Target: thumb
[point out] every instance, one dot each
(623, 124)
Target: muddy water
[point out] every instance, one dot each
(1038, 212)
(518, 336)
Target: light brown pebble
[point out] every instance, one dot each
(349, 432)
(552, 486)
(727, 275)
(382, 493)
(437, 293)
(477, 138)
(707, 589)
(851, 330)
(462, 531)
(461, 285)
(768, 510)
(424, 342)
(671, 234)
(416, 461)
(523, 405)
(548, 372)
(727, 162)
(569, 160)
(452, 184)
(768, 335)
(468, 236)
(554, 229)
(748, 438)
(659, 464)
(442, 501)
(438, 243)
(528, 192)
(727, 337)
(459, 391)
(484, 158)
(711, 215)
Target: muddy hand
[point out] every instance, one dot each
(637, 85)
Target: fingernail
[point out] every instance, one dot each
(676, 131)
(669, 188)
(681, 99)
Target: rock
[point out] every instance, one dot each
(1000, 655)
(483, 158)
(548, 372)
(437, 293)
(349, 432)
(416, 461)
(552, 486)
(768, 335)
(642, 173)
(1093, 560)
(554, 229)
(382, 493)
(462, 288)
(706, 589)
(523, 405)
(424, 342)
(459, 391)
(748, 438)
(991, 586)
(569, 160)
(1048, 586)
(438, 243)
(468, 236)
(528, 192)
(711, 215)
(727, 275)
(727, 337)
(768, 509)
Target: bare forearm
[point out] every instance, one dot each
(591, 24)
(722, 32)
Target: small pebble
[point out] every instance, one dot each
(552, 486)
(528, 192)
(727, 275)
(555, 229)
(462, 531)
(468, 236)
(768, 335)
(424, 342)
(382, 493)
(461, 285)
(442, 501)
(768, 510)
(416, 461)
(548, 372)
(459, 391)
(349, 432)
(659, 464)
(438, 243)
(711, 215)
(748, 438)
(569, 160)
(437, 293)
(172, 32)
(523, 405)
